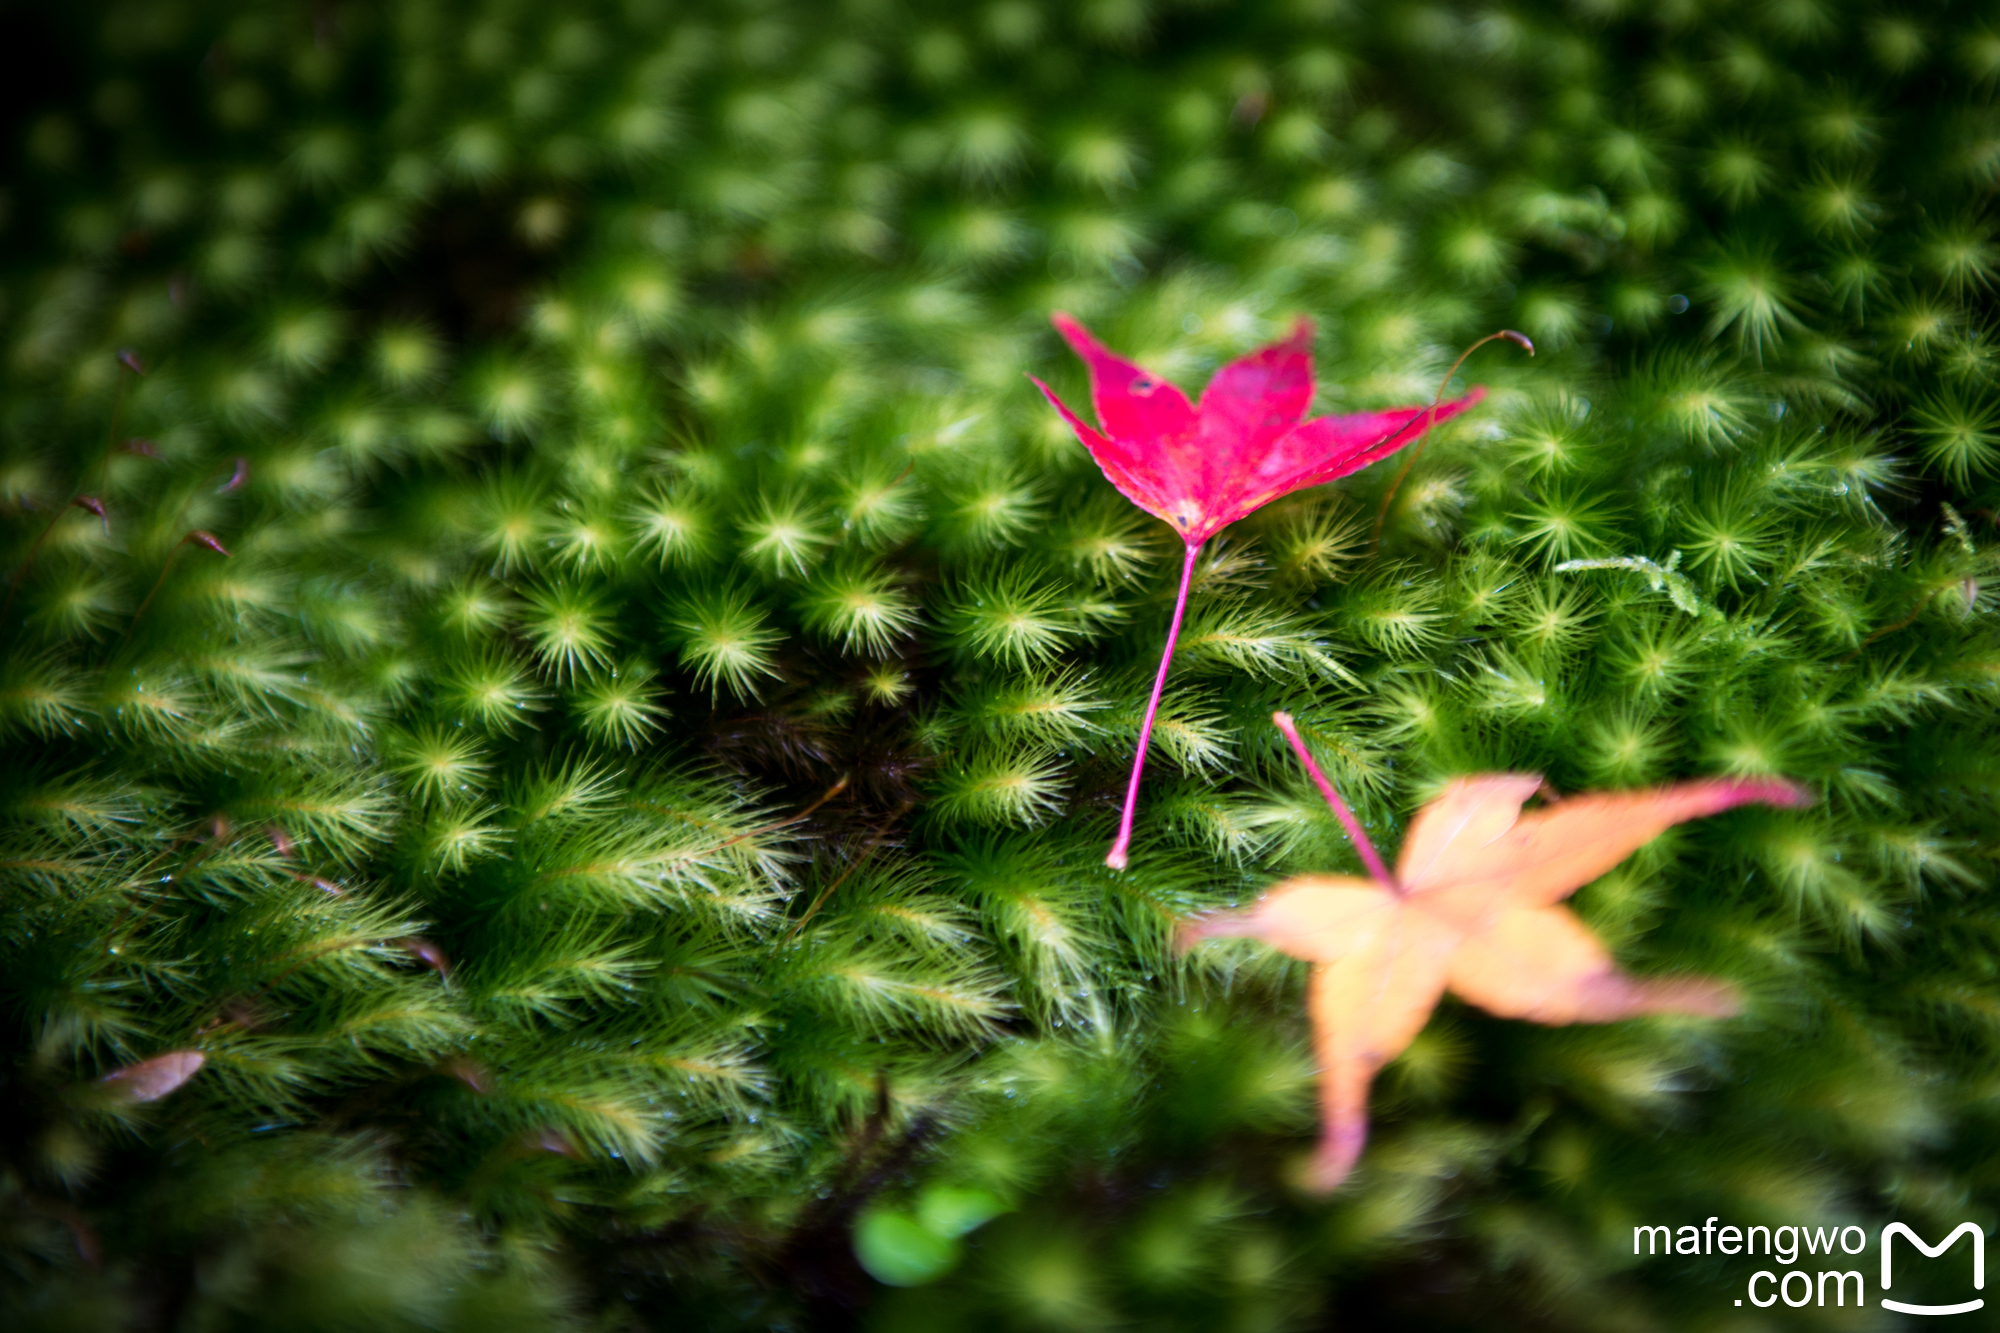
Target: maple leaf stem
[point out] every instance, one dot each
(1429, 418)
(1369, 856)
(1116, 858)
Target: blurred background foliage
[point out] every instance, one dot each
(548, 640)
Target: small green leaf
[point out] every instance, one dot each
(900, 1251)
(952, 1210)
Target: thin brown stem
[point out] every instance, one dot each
(803, 815)
(1887, 630)
(206, 540)
(874, 841)
(158, 583)
(1430, 418)
(807, 813)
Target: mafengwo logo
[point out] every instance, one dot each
(1895, 1229)
(1917, 1260)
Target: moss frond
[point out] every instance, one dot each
(1009, 616)
(782, 536)
(1110, 538)
(670, 528)
(989, 513)
(860, 607)
(1016, 785)
(1256, 640)
(1839, 206)
(1313, 543)
(882, 992)
(880, 506)
(1398, 617)
(569, 628)
(490, 690)
(1052, 710)
(1737, 171)
(1961, 255)
(1959, 433)
(1563, 523)
(1752, 298)
(725, 641)
(618, 707)
(1729, 537)
(476, 608)
(509, 522)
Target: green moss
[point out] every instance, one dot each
(632, 795)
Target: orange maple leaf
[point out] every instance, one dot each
(1473, 908)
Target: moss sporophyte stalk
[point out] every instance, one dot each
(563, 701)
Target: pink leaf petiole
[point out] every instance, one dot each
(1116, 859)
(1369, 856)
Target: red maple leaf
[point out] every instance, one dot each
(1202, 467)
(1473, 907)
